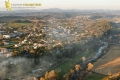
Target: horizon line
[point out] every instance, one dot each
(60, 9)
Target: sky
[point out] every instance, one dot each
(68, 4)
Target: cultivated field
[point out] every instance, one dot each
(16, 25)
(110, 62)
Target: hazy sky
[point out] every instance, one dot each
(69, 4)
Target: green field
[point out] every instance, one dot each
(95, 76)
(66, 66)
(15, 25)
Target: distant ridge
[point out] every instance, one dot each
(59, 10)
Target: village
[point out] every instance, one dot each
(50, 40)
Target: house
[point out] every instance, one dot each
(17, 45)
(12, 35)
(23, 42)
(6, 36)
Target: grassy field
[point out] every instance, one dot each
(15, 25)
(95, 76)
(66, 66)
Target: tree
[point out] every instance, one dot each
(52, 75)
(89, 66)
(67, 76)
(46, 75)
(83, 59)
(77, 67)
(42, 78)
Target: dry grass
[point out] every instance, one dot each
(110, 62)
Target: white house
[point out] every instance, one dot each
(17, 45)
(6, 36)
